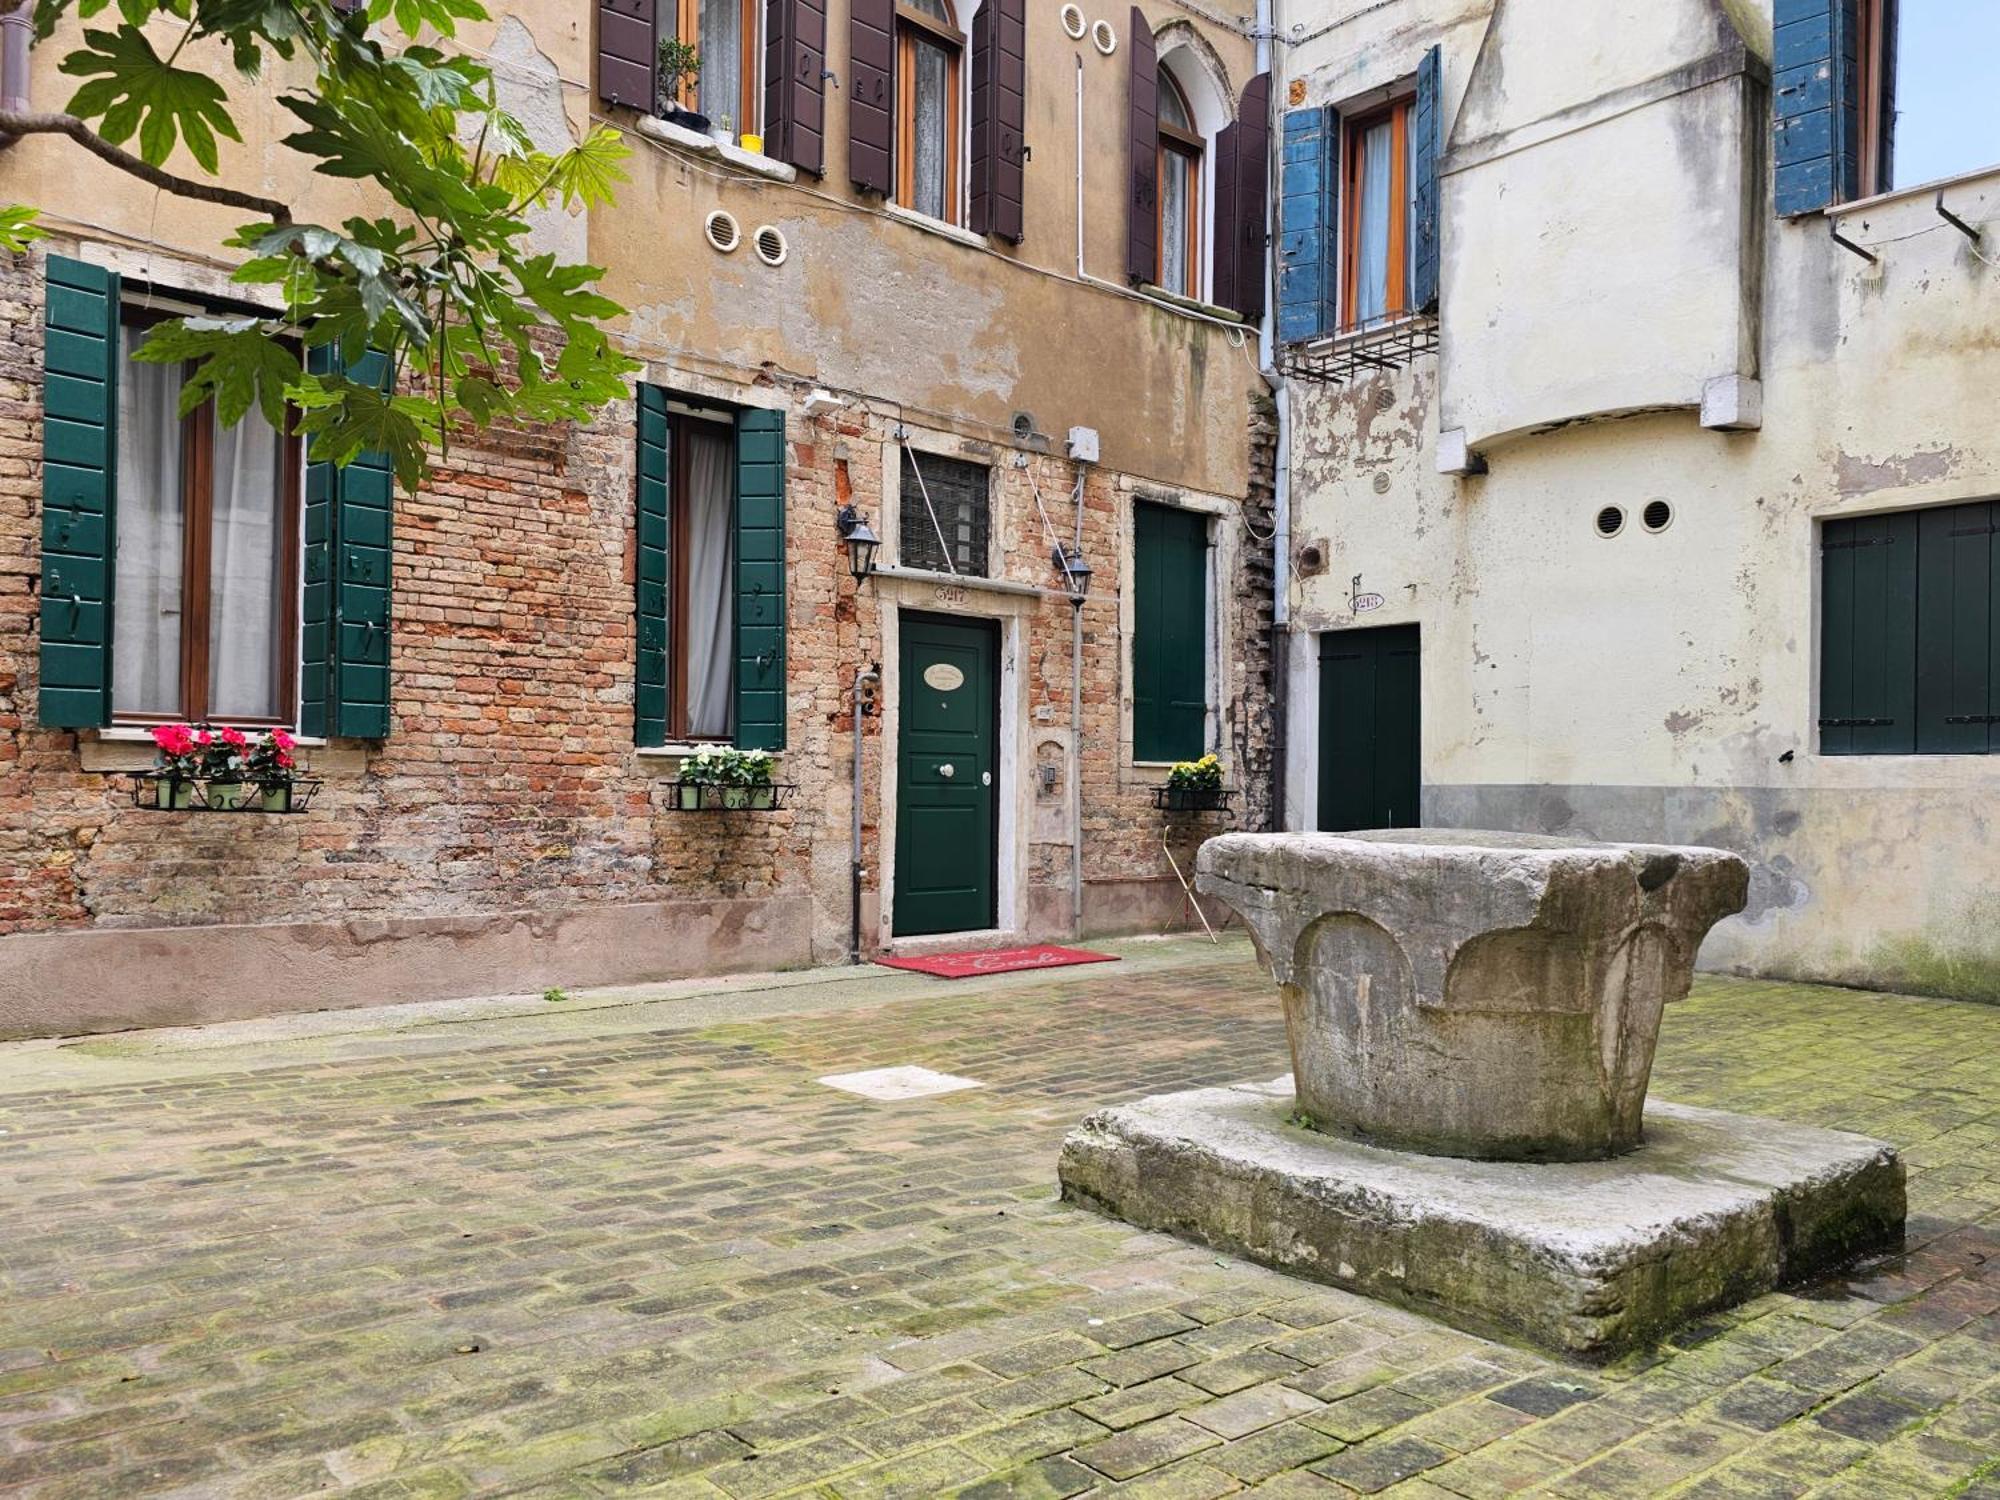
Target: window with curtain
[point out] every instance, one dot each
(701, 569)
(724, 36)
(928, 49)
(1926, 111)
(205, 616)
(945, 518)
(1180, 192)
(1380, 193)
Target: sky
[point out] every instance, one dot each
(1947, 106)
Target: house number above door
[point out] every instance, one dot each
(943, 676)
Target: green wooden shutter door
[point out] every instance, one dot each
(1170, 634)
(344, 619)
(760, 580)
(1955, 630)
(79, 491)
(1868, 650)
(650, 695)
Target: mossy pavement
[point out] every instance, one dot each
(628, 1245)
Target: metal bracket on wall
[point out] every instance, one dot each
(1955, 221)
(1833, 229)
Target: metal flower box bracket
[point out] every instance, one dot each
(1189, 799)
(160, 791)
(704, 796)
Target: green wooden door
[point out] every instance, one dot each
(1169, 633)
(1370, 729)
(947, 768)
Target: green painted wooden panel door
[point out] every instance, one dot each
(947, 768)
(1370, 729)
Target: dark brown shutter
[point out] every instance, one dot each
(1253, 197)
(1142, 201)
(871, 97)
(794, 83)
(625, 53)
(999, 113)
(1223, 290)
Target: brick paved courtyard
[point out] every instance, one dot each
(635, 1247)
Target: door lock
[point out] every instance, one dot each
(947, 771)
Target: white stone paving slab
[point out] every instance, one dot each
(898, 1083)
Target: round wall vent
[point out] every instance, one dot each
(771, 246)
(1105, 38)
(1024, 426)
(1381, 483)
(1385, 398)
(1610, 521)
(723, 232)
(1657, 516)
(1073, 22)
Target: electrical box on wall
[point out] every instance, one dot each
(1083, 446)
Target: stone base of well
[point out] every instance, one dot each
(1587, 1258)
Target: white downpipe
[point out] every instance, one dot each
(1081, 275)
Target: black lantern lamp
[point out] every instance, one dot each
(860, 541)
(1075, 571)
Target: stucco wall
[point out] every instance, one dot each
(1664, 686)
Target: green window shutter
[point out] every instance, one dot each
(344, 623)
(79, 493)
(1169, 633)
(1868, 648)
(650, 695)
(1955, 630)
(760, 580)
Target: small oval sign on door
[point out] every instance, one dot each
(943, 676)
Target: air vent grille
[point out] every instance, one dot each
(1657, 516)
(1610, 521)
(723, 232)
(771, 245)
(1073, 22)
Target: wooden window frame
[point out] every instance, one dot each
(678, 423)
(1874, 57)
(688, 29)
(1396, 304)
(197, 496)
(913, 25)
(1185, 149)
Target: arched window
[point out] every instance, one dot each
(929, 47)
(723, 34)
(1180, 191)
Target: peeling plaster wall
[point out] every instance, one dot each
(1665, 686)
(506, 834)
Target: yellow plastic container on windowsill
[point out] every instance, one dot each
(754, 143)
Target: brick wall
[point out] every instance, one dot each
(510, 779)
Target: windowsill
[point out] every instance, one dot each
(938, 227)
(143, 734)
(126, 748)
(1176, 301)
(697, 144)
(687, 751)
(1917, 190)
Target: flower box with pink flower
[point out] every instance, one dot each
(221, 769)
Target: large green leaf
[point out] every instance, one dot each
(132, 88)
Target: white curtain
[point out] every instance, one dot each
(1175, 273)
(721, 49)
(146, 620)
(711, 604)
(246, 573)
(1371, 280)
(933, 78)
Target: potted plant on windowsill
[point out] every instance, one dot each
(727, 779)
(272, 768)
(678, 60)
(179, 763)
(1193, 786)
(225, 761)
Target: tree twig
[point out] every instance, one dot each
(13, 123)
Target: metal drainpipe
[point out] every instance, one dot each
(870, 673)
(1076, 767)
(17, 32)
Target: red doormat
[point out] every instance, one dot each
(997, 961)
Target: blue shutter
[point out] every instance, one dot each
(1425, 134)
(79, 490)
(344, 615)
(1815, 99)
(1306, 218)
(650, 694)
(760, 580)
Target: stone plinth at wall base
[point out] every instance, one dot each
(116, 979)
(1585, 1258)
